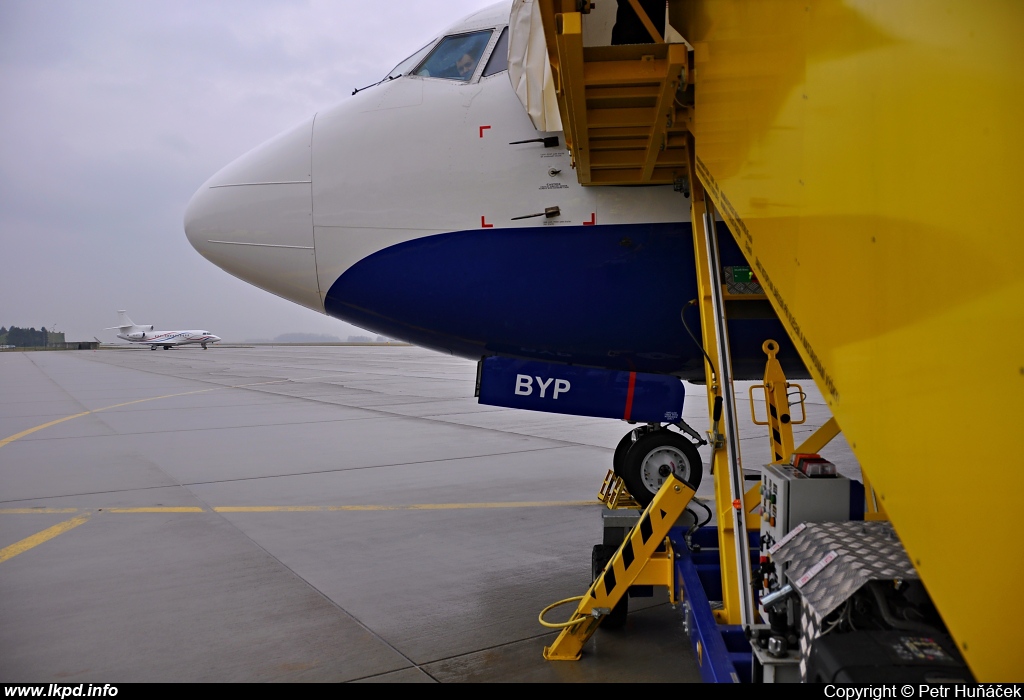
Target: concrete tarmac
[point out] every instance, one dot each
(294, 514)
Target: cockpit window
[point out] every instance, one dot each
(456, 57)
(499, 57)
(406, 66)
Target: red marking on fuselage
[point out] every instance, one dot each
(629, 396)
(482, 130)
(484, 224)
(593, 219)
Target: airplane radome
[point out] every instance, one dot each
(428, 208)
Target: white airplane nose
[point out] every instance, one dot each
(254, 218)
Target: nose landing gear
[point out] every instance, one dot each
(646, 456)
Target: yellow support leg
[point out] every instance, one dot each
(776, 395)
(637, 560)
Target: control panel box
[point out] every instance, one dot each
(790, 497)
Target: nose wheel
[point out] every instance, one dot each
(619, 457)
(645, 458)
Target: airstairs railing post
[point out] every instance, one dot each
(730, 510)
(732, 442)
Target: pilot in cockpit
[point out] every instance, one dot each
(455, 57)
(465, 66)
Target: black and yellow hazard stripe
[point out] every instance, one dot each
(625, 567)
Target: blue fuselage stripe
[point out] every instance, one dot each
(603, 296)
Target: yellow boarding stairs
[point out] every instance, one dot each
(817, 130)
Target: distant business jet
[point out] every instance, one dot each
(430, 208)
(134, 333)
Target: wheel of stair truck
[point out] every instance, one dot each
(653, 457)
(599, 558)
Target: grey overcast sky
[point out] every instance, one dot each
(112, 114)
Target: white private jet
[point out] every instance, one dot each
(431, 208)
(134, 333)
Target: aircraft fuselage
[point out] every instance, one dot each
(430, 210)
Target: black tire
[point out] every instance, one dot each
(641, 470)
(599, 558)
(619, 456)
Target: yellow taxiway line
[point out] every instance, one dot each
(23, 433)
(49, 533)
(303, 509)
(40, 537)
(60, 528)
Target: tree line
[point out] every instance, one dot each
(24, 337)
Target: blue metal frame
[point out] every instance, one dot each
(722, 651)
